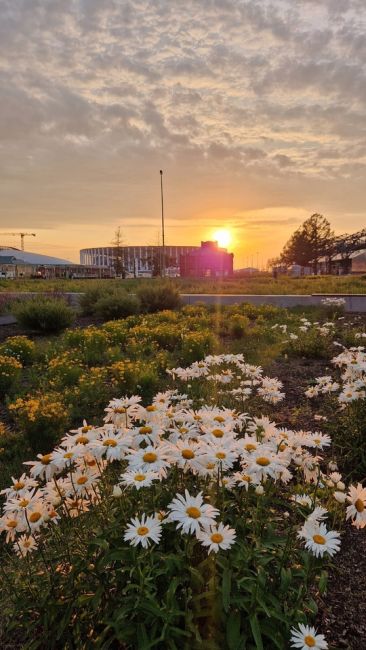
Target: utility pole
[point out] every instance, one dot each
(162, 225)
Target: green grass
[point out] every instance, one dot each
(261, 284)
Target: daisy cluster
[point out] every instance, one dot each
(240, 379)
(333, 302)
(212, 445)
(352, 385)
(322, 329)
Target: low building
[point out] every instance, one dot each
(15, 263)
(136, 261)
(354, 264)
(209, 261)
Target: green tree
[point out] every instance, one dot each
(308, 243)
(119, 257)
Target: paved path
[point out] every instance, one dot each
(7, 320)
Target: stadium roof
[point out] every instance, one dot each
(33, 258)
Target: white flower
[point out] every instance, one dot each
(25, 544)
(141, 531)
(217, 537)
(356, 496)
(191, 513)
(318, 540)
(306, 637)
(138, 479)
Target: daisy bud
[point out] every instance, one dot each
(332, 466)
(340, 497)
(259, 490)
(117, 492)
(330, 483)
(340, 485)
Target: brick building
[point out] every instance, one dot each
(209, 261)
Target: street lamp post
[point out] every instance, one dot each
(162, 271)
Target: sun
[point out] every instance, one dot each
(223, 237)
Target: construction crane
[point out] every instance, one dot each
(21, 235)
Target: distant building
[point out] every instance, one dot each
(355, 264)
(137, 261)
(209, 261)
(15, 263)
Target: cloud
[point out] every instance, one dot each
(245, 104)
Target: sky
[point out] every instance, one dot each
(254, 109)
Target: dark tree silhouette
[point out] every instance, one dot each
(309, 243)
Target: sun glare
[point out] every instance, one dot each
(223, 237)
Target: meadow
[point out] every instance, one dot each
(263, 284)
(190, 479)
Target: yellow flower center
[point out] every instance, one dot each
(140, 477)
(19, 485)
(82, 480)
(317, 441)
(109, 442)
(310, 641)
(142, 530)
(86, 428)
(34, 517)
(46, 459)
(219, 418)
(246, 478)
(23, 503)
(216, 538)
(197, 418)
(263, 461)
(220, 455)
(193, 513)
(359, 505)
(151, 408)
(250, 446)
(12, 523)
(183, 430)
(149, 457)
(91, 463)
(27, 543)
(282, 447)
(218, 433)
(187, 454)
(210, 466)
(319, 539)
(120, 409)
(145, 430)
(68, 454)
(82, 440)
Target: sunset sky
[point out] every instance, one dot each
(255, 110)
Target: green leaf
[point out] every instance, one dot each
(233, 631)
(256, 631)
(226, 588)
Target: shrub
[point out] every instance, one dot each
(44, 315)
(42, 419)
(19, 347)
(89, 299)
(238, 326)
(159, 298)
(196, 345)
(118, 304)
(91, 343)
(10, 370)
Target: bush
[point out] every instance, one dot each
(44, 315)
(118, 304)
(10, 370)
(19, 347)
(42, 419)
(159, 298)
(238, 326)
(89, 299)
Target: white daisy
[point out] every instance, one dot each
(191, 513)
(138, 479)
(217, 537)
(306, 637)
(141, 531)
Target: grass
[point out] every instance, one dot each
(261, 284)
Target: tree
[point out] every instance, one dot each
(309, 242)
(119, 256)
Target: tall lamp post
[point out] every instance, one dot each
(162, 225)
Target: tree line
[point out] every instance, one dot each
(315, 240)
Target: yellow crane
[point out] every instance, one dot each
(21, 235)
